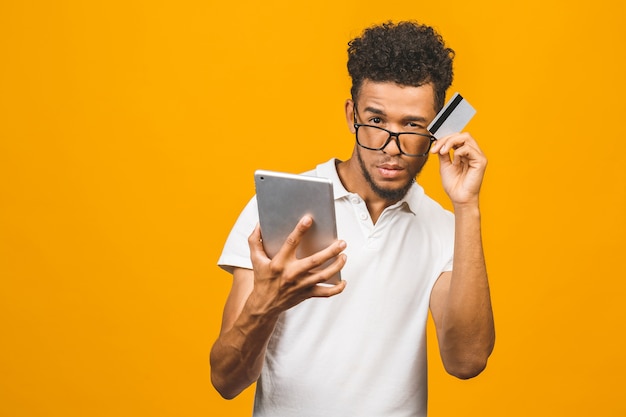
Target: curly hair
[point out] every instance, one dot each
(407, 53)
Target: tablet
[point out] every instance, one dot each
(283, 199)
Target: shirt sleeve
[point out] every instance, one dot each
(448, 266)
(236, 253)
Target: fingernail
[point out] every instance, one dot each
(306, 220)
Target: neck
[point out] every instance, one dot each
(352, 178)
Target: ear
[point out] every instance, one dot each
(349, 109)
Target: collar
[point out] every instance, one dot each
(329, 170)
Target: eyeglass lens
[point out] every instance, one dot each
(375, 138)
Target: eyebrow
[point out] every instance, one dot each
(380, 112)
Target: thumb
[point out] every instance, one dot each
(255, 242)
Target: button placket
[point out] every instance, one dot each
(360, 207)
(360, 210)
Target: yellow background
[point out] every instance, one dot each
(129, 132)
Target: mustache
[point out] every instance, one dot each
(392, 160)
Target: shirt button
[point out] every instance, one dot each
(355, 200)
(363, 216)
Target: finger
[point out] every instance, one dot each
(436, 146)
(320, 279)
(471, 154)
(333, 269)
(317, 259)
(453, 141)
(444, 159)
(254, 240)
(442, 143)
(295, 237)
(324, 291)
(313, 270)
(327, 272)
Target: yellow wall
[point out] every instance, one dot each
(129, 132)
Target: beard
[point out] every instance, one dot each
(388, 194)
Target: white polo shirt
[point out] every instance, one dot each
(362, 352)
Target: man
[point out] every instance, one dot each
(358, 348)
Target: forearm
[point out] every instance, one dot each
(467, 321)
(238, 354)
(258, 298)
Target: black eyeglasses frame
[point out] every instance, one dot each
(391, 134)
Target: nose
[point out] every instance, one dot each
(395, 148)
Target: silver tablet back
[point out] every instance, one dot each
(283, 199)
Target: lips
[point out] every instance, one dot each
(390, 171)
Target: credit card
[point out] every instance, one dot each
(452, 118)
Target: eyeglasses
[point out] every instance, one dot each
(376, 138)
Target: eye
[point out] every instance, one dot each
(414, 126)
(376, 120)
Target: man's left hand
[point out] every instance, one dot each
(462, 167)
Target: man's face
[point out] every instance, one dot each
(399, 109)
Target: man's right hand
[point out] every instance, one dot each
(285, 281)
(256, 300)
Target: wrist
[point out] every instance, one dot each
(260, 310)
(468, 206)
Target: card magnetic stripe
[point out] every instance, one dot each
(453, 105)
